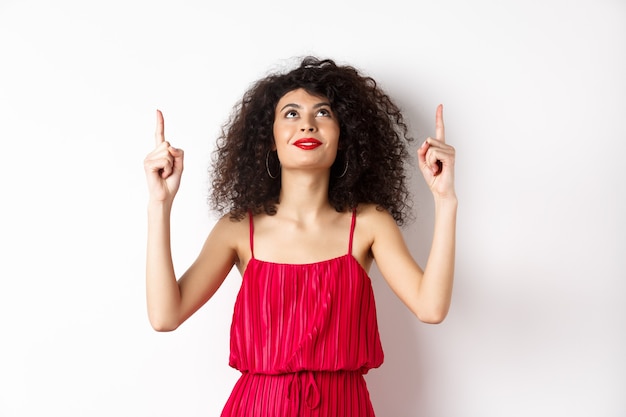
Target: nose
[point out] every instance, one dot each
(308, 125)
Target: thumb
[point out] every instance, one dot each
(179, 156)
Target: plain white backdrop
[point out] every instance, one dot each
(535, 103)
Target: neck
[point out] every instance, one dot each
(304, 194)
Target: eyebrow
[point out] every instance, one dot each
(297, 106)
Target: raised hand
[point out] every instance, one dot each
(436, 160)
(163, 166)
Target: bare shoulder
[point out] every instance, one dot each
(372, 226)
(234, 234)
(228, 224)
(373, 218)
(230, 230)
(378, 228)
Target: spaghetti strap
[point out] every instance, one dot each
(251, 233)
(352, 231)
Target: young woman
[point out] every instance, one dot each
(309, 180)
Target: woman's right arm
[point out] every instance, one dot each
(170, 301)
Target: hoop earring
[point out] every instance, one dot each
(345, 169)
(267, 165)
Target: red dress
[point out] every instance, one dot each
(302, 336)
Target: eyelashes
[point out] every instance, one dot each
(290, 114)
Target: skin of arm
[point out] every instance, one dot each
(426, 293)
(170, 302)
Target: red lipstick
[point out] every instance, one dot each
(307, 143)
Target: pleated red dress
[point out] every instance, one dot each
(302, 336)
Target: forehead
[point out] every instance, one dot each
(300, 96)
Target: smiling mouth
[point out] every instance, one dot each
(307, 143)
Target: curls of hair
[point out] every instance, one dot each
(373, 143)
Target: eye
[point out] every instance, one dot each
(290, 114)
(324, 113)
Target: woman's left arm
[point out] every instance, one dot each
(427, 293)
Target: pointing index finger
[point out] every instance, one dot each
(159, 134)
(440, 132)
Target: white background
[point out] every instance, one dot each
(535, 104)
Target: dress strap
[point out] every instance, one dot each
(352, 231)
(251, 221)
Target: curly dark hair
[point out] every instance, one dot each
(373, 143)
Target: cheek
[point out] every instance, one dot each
(277, 133)
(280, 129)
(336, 138)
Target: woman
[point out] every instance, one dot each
(309, 179)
